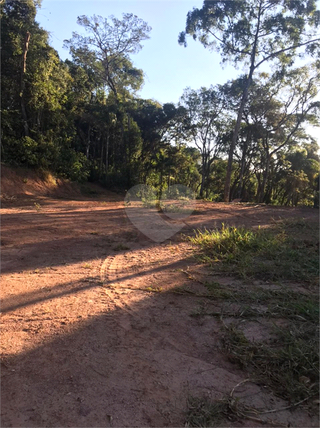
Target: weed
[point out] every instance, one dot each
(151, 203)
(37, 206)
(289, 364)
(87, 266)
(6, 197)
(154, 289)
(278, 253)
(175, 208)
(216, 291)
(205, 413)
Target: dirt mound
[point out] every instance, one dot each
(23, 183)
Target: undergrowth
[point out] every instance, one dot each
(288, 362)
(281, 252)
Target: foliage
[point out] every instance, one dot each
(254, 33)
(207, 128)
(105, 51)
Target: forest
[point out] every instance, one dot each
(247, 139)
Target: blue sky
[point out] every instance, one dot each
(168, 67)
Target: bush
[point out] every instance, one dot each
(22, 151)
(74, 165)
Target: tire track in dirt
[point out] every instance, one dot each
(130, 278)
(172, 355)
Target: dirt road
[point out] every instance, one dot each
(94, 330)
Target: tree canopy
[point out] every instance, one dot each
(254, 33)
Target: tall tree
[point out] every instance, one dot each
(277, 112)
(33, 90)
(17, 27)
(207, 117)
(254, 32)
(106, 50)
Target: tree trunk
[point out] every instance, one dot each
(241, 174)
(240, 112)
(23, 83)
(243, 163)
(203, 174)
(107, 152)
(161, 182)
(265, 178)
(101, 162)
(235, 136)
(88, 142)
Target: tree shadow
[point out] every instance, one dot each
(132, 361)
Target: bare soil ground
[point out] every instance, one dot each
(94, 330)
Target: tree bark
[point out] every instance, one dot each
(243, 162)
(107, 152)
(23, 83)
(88, 142)
(265, 178)
(202, 176)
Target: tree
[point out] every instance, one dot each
(162, 126)
(294, 174)
(17, 27)
(207, 121)
(254, 32)
(106, 51)
(34, 84)
(277, 111)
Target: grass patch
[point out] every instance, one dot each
(289, 364)
(151, 203)
(87, 266)
(154, 289)
(281, 303)
(289, 250)
(205, 413)
(175, 208)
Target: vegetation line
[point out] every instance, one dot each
(246, 139)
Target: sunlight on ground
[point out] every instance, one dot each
(135, 275)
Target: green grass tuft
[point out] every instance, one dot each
(279, 253)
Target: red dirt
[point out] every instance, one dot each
(93, 332)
